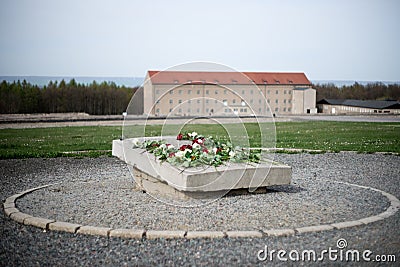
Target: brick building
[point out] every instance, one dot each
(194, 93)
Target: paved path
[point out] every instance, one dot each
(111, 121)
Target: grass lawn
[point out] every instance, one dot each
(96, 140)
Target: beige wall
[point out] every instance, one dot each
(304, 101)
(339, 109)
(205, 99)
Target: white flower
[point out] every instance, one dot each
(187, 150)
(170, 146)
(200, 141)
(232, 154)
(193, 134)
(135, 142)
(215, 150)
(180, 154)
(196, 146)
(163, 146)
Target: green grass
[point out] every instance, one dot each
(363, 137)
(96, 140)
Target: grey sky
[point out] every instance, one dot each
(350, 39)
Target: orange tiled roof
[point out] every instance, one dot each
(181, 77)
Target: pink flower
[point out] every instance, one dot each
(179, 137)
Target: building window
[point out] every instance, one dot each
(171, 92)
(225, 102)
(234, 101)
(289, 101)
(276, 109)
(198, 101)
(243, 92)
(290, 92)
(284, 92)
(207, 92)
(284, 109)
(180, 110)
(276, 101)
(180, 92)
(289, 109)
(269, 101)
(198, 110)
(207, 109)
(251, 92)
(189, 92)
(190, 101)
(198, 92)
(170, 110)
(207, 101)
(158, 110)
(269, 91)
(284, 101)
(216, 92)
(180, 101)
(259, 101)
(277, 91)
(171, 101)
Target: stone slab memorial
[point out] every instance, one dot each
(200, 182)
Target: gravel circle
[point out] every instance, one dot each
(313, 177)
(105, 196)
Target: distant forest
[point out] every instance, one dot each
(107, 98)
(104, 98)
(371, 91)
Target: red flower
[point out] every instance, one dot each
(219, 149)
(179, 137)
(172, 154)
(199, 141)
(205, 150)
(183, 147)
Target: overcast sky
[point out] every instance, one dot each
(328, 40)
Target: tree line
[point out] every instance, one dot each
(104, 98)
(371, 91)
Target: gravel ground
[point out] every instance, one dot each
(312, 199)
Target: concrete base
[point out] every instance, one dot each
(200, 182)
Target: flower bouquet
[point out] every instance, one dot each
(198, 150)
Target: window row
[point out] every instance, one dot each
(225, 101)
(226, 110)
(216, 92)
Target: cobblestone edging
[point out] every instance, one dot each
(12, 212)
